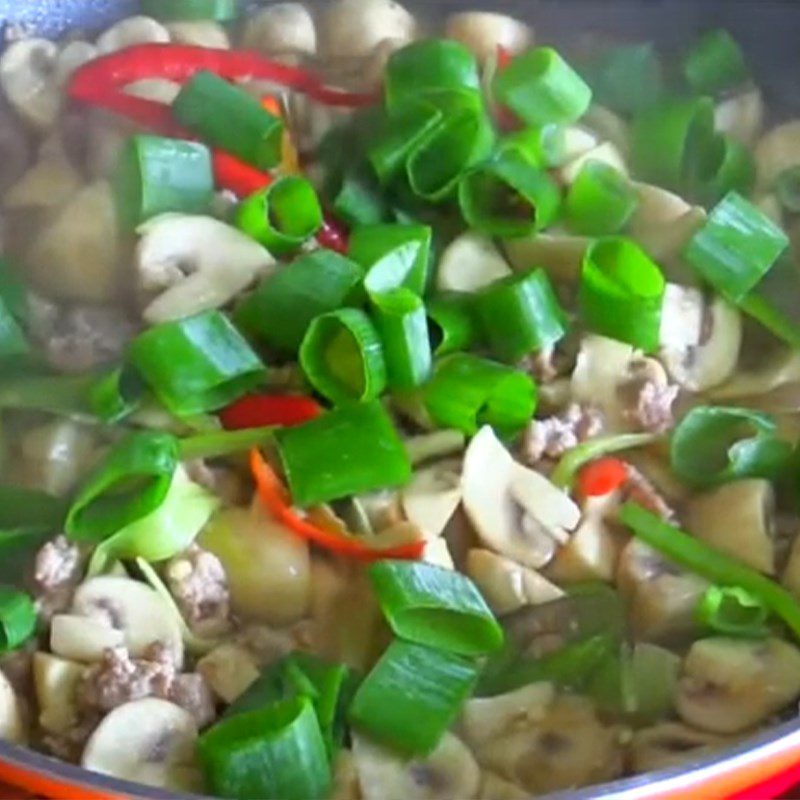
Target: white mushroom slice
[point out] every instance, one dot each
(671, 744)
(506, 585)
(471, 262)
(281, 28)
(737, 518)
(71, 57)
(550, 506)
(484, 31)
(56, 681)
(741, 116)
(78, 256)
(776, 370)
(353, 28)
(200, 33)
(47, 184)
(133, 609)
(448, 772)
(577, 142)
(657, 207)
(681, 317)
(229, 670)
(432, 498)
(427, 446)
(79, 638)
(345, 777)
(730, 685)
(605, 153)
(12, 724)
(488, 473)
(438, 553)
(484, 719)
(195, 263)
(560, 254)
(493, 787)
(776, 151)
(27, 78)
(130, 31)
(149, 741)
(608, 126)
(713, 359)
(158, 90)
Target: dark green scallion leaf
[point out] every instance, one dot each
(346, 451)
(733, 611)
(116, 395)
(729, 167)
(451, 323)
(217, 444)
(600, 201)
(544, 145)
(715, 64)
(54, 394)
(192, 10)
(28, 512)
(13, 291)
(14, 346)
(17, 618)
(357, 199)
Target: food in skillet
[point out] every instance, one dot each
(393, 412)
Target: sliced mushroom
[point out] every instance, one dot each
(738, 519)
(730, 685)
(568, 747)
(741, 116)
(776, 151)
(432, 497)
(130, 31)
(671, 744)
(47, 184)
(158, 90)
(449, 771)
(200, 33)
(229, 670)
(577, 141)
(79, 638)
(437, 552)
(560, 254)
(354, 28)
(56, 681)
(282, 28)
(132, 608)
(608, 126)
(660, 597)
(657, 207)
(499, 500)
(12, 724)
(149, 741)
(194, 263)
(79, 257)
(506, 585)
(712, 359)
(427, 446)
(485, 719)
(493, 787)
(682, 317)
(268, 567)
(27, 78)
(72, 56)
(471, 262)
(605, 153)
(345, 777)
(484, 31)
(774, 370)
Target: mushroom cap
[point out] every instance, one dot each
(484, 31)
(469, 263)
(27, 76)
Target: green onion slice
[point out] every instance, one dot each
(733, 611)
(544, 145)
(14, 346)
(412, 696)
(731, 168)
(191, 10)
(13, 291)
(116, 394)
(17, 618)
(600, 200)
(357, 199)
(451, 323)
(715, 64)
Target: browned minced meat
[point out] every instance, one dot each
(197, 581)
(553, 436)
(652, 411)
(541, 365)
(57, 571)
(69, 745)
(640, 490)
(120, 679)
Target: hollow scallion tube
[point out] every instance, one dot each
(451, 322)
(600, 200)
(715, 64)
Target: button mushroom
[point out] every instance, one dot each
(731, 685)
(200, 33)
(78, 638)
(194, 263)
(149, 741)
(449, 771)
(776, 151)
(56, 682)
(560, 254)
(27, 78)
(72, 56)
(281, 29)
(605, 153)
(131, 31)
(12, 724)
(432, 497)
(516, 512)
(354, 28)
(741, 116)
(772, 372)
(229, 670)
(737, 519)
(470, 263)
(671, 744)
(484, 31)
(48, 184)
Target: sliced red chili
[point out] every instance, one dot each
(602, 477)
(261, 411)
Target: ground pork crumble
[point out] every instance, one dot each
(554, 436)
(57, 572)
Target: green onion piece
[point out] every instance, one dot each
(217, 444)
(544, 145)
(713, 445)
(715, 64)
(116, 395)
(777, 322)
(467, 392)
(574, 459)
(227, 117)
(508, 196)
(283, 216)
(540, 87)
(196, 364)
(733, 169)
(462, 140)
(451, 323)
(53, 394)
(190, 10)
(412, 696)
(358, 200)
(342, 356)
(430, 70)
(626, 79)
(17, 618)
(394, 255)
(434, 606)
(667, 137)
(698, 557)
(28, 513)
(359, 447)
(130, 482)
(280, 310)
(621, 293)
(787, 189)
(736, 247)
(733, 611)
(14, 347)
(13, 291)
(400, 319)
(600, 201)
(520, 315)
(277, 751)
(155, 175)
(268, 688)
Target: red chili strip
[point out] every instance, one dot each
(602, 477)
(262, 411)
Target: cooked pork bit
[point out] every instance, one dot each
(57, 572)
(649, 397)
(639, 489)
(192, 693)
(552, 437)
